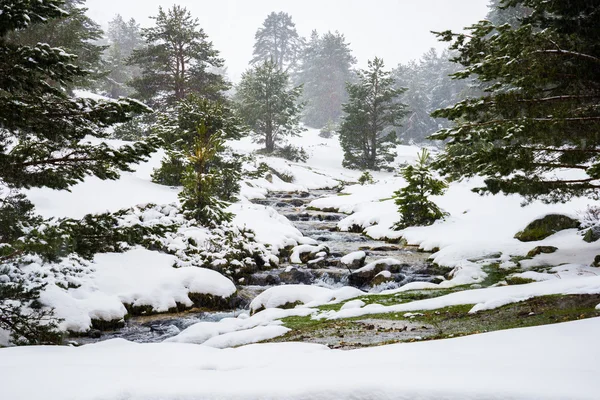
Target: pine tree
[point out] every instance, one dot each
(123, 38)
(499, 14)
(198, 159)
(278, 41)
(413, 200)
(372, 110)
(267, 104)
(176, 61)
(539, 113)
(41, 145)
(179, 128)
(326, 67)
(74, 32)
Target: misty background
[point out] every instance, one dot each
(397, 31)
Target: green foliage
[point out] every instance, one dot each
(371, 112)
(176, 61)
(429, 87)
(539, 113)
(268, 105)
(74, 32)
(328, 130)
(42, 132)
(194, 132)
(200, 182)
(326, 66)
(277, 41)
(366, 178)
(413, 200)
(290, 153)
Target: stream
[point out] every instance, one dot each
(318, 225)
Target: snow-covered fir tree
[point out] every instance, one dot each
(414, 205)
(539, 112)
(278, 41)
(41, 146)
(326, 66)
(123, 38)
(371, 113)
(268, 105)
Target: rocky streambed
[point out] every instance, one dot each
(337, 259)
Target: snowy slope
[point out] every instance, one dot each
(549, 362)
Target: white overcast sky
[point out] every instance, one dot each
(396, 30)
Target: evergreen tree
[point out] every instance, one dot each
(413, 200)
(499, 14)
(123, 38)
(41, 145)
(372, 110)
(326, 67)
(539, 113)
(429, 87)
(198, 159)
(179, 128)
(74, 32)
(267, 104)
(278, 41)
(176, 61)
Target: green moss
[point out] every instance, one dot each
(517, 280)
(543, 227)
(496, 274)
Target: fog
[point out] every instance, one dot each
(396, 30)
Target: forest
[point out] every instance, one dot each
(321, 226)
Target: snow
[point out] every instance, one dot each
(138, 277)
(348, 259)
(253, 335)
(305, 248)
(550, 362)
(310, 296)
(243, 326)
(482, 299)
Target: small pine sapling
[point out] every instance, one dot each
(413, 200)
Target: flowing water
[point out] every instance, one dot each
(318, 225)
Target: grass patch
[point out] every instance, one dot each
(437, 324)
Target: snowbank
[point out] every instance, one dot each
(310, 296)
(483, 299)
(139, 278)
(548, 362)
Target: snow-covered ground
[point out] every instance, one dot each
(554, 362)
(549, 362)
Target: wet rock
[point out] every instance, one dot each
(304, 253)
(95, 334)
(596, 262)
(362, 277)
(592, 234)
(353, 261)
(543, 227)
(385, 248)
(381, 278)
(297, 203)
(320, 262)
(541, 249)
(296, 276)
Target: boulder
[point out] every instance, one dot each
(353, 261)
(596, 262)
(296, 276)
(381, 278)
(543, 227)
(363, 276)
(592, 234)
(541, 249)
(304, 253)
